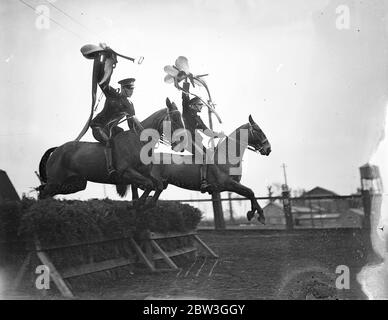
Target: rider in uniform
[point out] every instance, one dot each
(117, 106)
(190, 109)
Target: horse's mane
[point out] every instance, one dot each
(154, 119)
(222, 144)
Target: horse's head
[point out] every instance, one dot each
(177, 127)
(257, 139)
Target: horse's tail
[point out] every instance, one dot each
(42, 164)
(121, 189)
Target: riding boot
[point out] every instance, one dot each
(109, 161)
(205, 186)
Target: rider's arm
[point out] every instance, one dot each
(132, 121)
(129, 110)
(202, 126)
(109, 91)
(106, 59)
(185, 96)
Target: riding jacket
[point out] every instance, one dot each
(115, 108)
(190, 116)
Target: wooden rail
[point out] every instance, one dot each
(147, 250)
(344, 197)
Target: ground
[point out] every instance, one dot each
(252, 265)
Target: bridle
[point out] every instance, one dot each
(169, 114)
(261, 142)
(167, 117)
(250, 129)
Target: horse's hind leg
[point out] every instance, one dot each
(48, 190)
(70, 185)
(73, 184)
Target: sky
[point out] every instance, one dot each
(318, 92)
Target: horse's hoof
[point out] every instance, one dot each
(261, 219)
(250, 215)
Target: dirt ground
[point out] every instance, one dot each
(252, 264)
(255, 265)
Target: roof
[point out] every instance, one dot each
(7, 190)
(300, 209)
(318, 216)
(360, 212)
(273, 209)
(270, 204)
(319, 191)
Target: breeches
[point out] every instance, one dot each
(102, 134)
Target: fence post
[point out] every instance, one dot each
(287, 209)
(230, 208)
(367, 205)
(219, 221)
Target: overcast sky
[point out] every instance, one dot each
(319, 93)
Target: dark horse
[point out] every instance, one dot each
(66, 169)
(184, 173)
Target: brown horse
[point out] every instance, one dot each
(185, 174)
(66, 169)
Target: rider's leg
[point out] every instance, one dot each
(99, 134)
(109, 154)
(102, 135)
(205, 186)
(109, 159)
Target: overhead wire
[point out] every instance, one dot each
(71, 18)
(53, 20)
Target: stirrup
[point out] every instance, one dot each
(205, 186)
(112, 173)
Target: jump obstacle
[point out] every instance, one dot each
(147, 248)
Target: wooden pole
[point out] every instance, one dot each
(284, 173)
(54, 274)
(219, 221)
(230, 207)
(287, 209)
(367, 204)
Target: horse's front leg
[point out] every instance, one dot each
(244, 191)
(138, 179)
(135, 193)
(158, 187)
(142, 200)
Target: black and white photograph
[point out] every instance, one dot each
(205, 151)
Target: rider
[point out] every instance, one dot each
(190, 109)
(117, 106)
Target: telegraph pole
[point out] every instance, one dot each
(219, 221)
(286, 201)
(285, 174)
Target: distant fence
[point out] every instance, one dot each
(285, 212)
